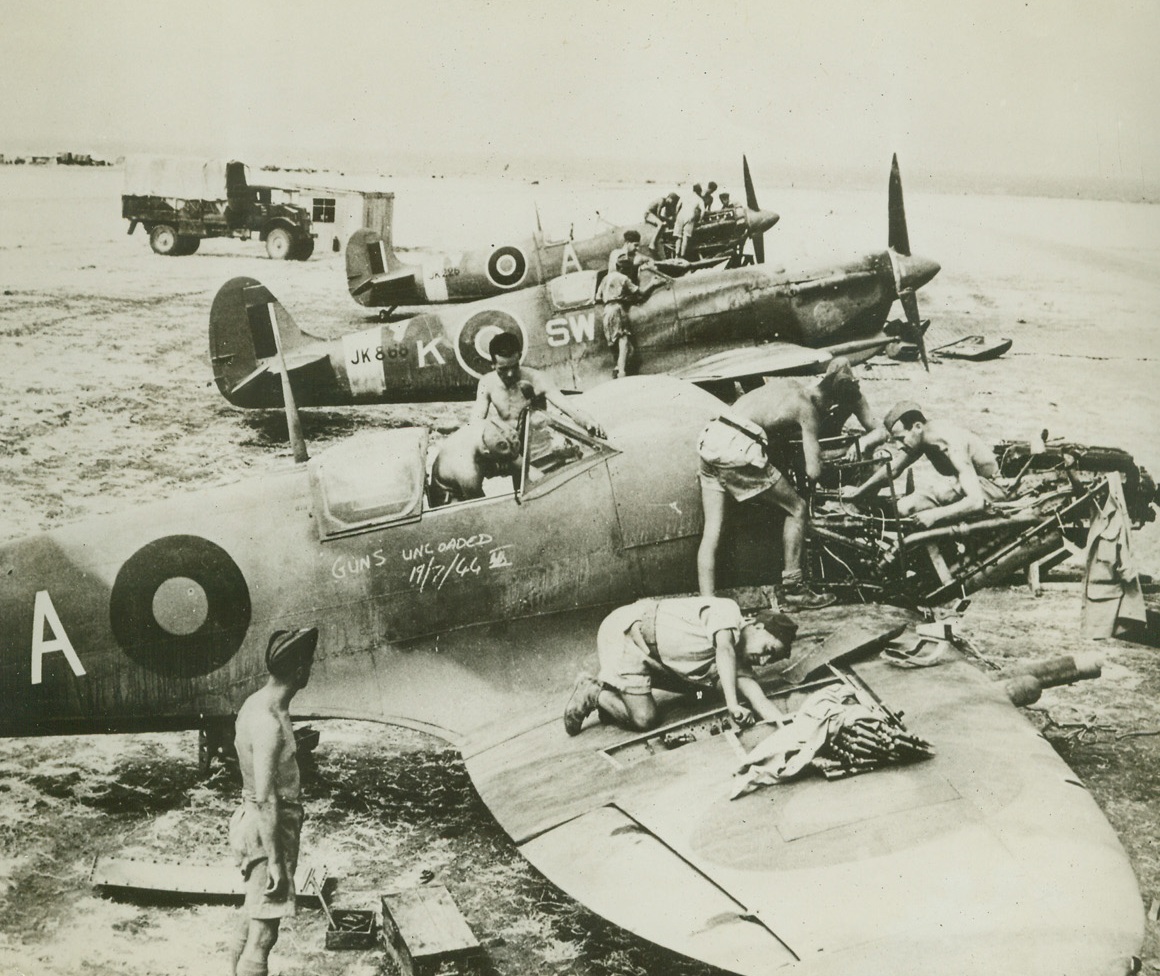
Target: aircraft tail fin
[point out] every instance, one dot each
(374, 273)
(242, 345)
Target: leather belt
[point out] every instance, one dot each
(729, 422)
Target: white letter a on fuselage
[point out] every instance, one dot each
(45, 613)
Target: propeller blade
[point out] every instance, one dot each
(750, 195)
(916, 327)
(899, 240)
(751, 203)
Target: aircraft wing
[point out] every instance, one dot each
(990, 854)
(769, 359)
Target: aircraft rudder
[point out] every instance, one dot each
(242, 320)
(368, 254)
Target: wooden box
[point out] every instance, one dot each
(350, 929)
(426, 935)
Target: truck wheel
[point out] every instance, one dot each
(279, 244)
(163, 239)
(303, 249)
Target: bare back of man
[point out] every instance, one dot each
(948, 446)
(265, 830)
(478, 450)
(782, 408)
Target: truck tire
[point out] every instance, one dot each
(279, 244)
(163, 239)
(303, 248)
(187, 245)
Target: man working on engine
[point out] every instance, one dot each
(734, 465)
(682, 644)
(965, 463)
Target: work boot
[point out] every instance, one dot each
(585, 694)
(795, 595)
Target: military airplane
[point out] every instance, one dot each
(470, 621)
(377, 277)
(712, 327)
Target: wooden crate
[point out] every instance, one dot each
(426, 935)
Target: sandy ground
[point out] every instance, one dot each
(107, 400)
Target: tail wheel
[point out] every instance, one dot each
(163, 239)
(187, 245)
(279, 244)
(303, 249)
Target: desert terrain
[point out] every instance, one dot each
(107, 401)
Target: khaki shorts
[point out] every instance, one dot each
(615, 323)
(731, 461)
(623, 665)
(251, 857)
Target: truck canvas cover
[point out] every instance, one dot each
(185, 177)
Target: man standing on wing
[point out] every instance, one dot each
(734, 466)
(511, 387)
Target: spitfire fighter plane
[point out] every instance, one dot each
(712, 327)
(470, 621)
(377, 277)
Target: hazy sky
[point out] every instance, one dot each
(1058, 89)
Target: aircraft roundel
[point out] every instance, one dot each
(471, 346)
(180, 606)
(507, 266)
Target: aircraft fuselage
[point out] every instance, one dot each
(434, 617)
(440, 353)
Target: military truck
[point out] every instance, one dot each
(179, 201)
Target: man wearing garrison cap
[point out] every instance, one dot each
(965, 467)
(264, 832)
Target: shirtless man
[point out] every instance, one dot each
(734, 466)
(840, 399)
(265, 830)
(478, 450)
(512, 387)
(966, 464)
(679, 643)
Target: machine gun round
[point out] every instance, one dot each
(870, 742)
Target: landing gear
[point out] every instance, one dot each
(215, 738)
(163, 239)
(187, 245)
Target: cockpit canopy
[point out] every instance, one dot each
(380, 478)
(573, 289)
(370, 479)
